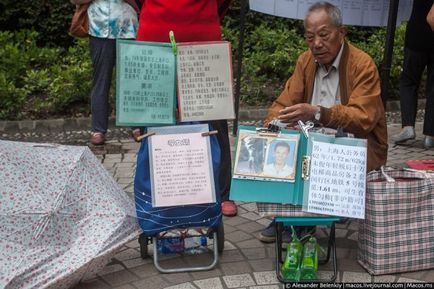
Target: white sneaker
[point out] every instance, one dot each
(429, 142)
(406, 133)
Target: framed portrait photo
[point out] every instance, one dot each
(281, 159)
(266, 157)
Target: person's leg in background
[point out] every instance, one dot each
(413, 67)
(103, 56)
(229, 208)
(428, 124)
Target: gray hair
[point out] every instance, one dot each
(332, 11)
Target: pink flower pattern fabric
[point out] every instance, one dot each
(62, 216)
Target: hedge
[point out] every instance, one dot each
(44, 72)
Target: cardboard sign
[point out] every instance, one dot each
(205, 90)
(145, 84)
(337, 179)
(181, 166)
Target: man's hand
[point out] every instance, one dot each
(300, 111)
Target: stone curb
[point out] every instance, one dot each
(49, 126)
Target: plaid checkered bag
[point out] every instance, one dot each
(282, 210)
(397, 234)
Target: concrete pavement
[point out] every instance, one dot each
(245, 262)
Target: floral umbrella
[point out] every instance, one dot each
(62, 216)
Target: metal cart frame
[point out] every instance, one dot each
(218, 246)
(306, 221)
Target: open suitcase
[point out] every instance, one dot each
(156, 221)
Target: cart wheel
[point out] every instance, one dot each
(220, 238)
(143, 241)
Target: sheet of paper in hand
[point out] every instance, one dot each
(181, 166)
(204, 73)
(145, 83)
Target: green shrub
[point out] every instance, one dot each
(51, 18)
(374, 46)
(63, 87)
(39, 79)
(19, 56)
(269, 60)
(71, 85)
(11, 98)
(42, 82)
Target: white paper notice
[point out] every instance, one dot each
(354, 12)
(181, 170)
(337, 180)
(205, 82)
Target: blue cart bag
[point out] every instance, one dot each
(155, 220)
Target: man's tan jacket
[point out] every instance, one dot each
(361, 111)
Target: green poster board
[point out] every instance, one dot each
(145, 83)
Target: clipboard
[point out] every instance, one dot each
(313, 148)
(249, 190)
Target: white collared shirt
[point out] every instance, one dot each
(326, 87)
(271, 171)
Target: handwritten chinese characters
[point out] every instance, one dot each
(181, 172)
(145, 84)
(337, 180)
(205, 81)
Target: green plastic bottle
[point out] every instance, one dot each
(309, 263)
(291, 265)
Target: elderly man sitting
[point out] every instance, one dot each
(335, 84)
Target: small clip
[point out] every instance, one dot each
(143, 136)
(173, 41)
(306, 127)
(262, 129)
(271, 130)
(305, 168)
(208, 133)
(274, 126)
(268, 133)
(340, 132)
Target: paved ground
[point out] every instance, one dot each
(245, 262)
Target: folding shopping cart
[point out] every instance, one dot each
(155, 221)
